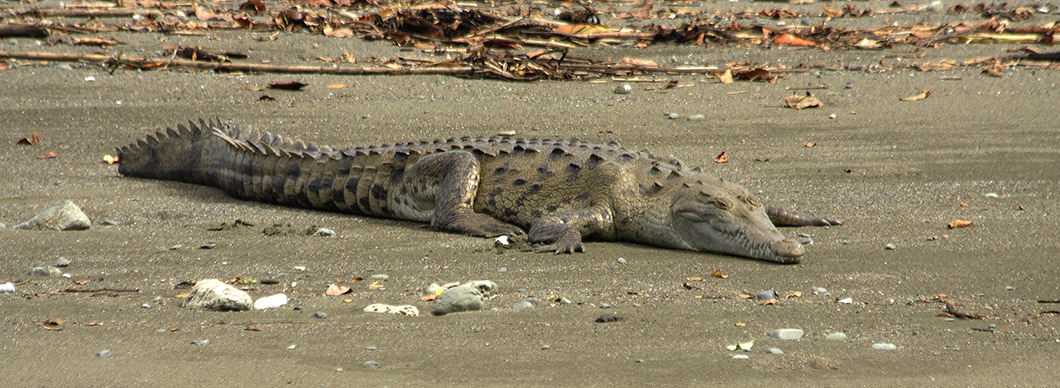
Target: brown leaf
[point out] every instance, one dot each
(53, 324)
(717, 273)
(32, 140)
(637, 63)
(964, 204)
(255, 6)
(769, 302)
(335, 290)
(428, 298)
(266, 97)
(48, 155)
(110, 159)
(811, 144)
(922, 95)
(289, 85)
(752, 74)
(792, 40)
(205, 15)
(802, 102)
(959, 223)
(669, 85)
(722, 158)
(81, 282)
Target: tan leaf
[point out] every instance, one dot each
(110, 159)
(959, 223)
(802, 102)
(718, 274)
(339, 86)
(920, 96)
(32, 140)
(727, 77)
(722, 158)
(48, 155)
(335, 289)
(811, 144)
(695, 279)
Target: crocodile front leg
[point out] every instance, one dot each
(563, 231)
(784, 217)
(449, 182)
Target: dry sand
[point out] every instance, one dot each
(895, 172)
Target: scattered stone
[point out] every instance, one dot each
(502, 269)
(605, 305)
(697, 118)
(270, 301)
(741, 357)
(846, 301)
(884, 346)
(105, 353)
(320, 315)
(370, 348)
(624, 89)
(213, 294)
(673, 116)
(67, 276)
(370, 365)
(209, 245)
(787, 334)
(324, 232)
(991, 195)
(837, 337)
(7, 287)
(608, 318)
(774, 351)
(1010, 288)
(176, 247)
(108, 223)
(61, 216)
(44, 271)
(407, 310)
(3, 226)
(466, 297)
(818, 290)
(890, 247)
(525, 304)
(621, 260)
(639, 361)
(502, 241)
(62, 262)
(380, 276)
(849, 85)
(563, 301)
(766, 295)
(292, 347)
(200, 342)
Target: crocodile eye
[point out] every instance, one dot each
(752, 200)
(723, 203)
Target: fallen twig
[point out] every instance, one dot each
(953, 311)
(77, 290)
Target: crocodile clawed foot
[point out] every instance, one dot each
(560, 238)
(559, 248)
(480, 225)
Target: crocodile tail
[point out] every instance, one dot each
(179, 154)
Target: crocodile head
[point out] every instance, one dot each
(723, 217)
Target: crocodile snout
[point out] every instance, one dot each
(788, 250)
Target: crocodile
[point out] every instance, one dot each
(557, 192)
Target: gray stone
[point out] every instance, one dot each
(370, 365)
(774, 351)
(64, 215)
(741, 357)
(212, 294)
(673, 116)
(890, 247)
(766, 295)
(605, 305)
(836, 337)
(525, 304)
(884, 346)
(44, 271)
(2, 225)
(623, 89)
(62, 262)
(697, 118)
(465, 297)
(379, 276)
(105, 353)
(787, 334)
(621, 260)
(200, 342)
(320, 315)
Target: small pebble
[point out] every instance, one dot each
(846, 301)
(564, 301)
(324, 232)
(673, 116)
(890, 247)
(105, 353)
(621, 260)
(209, 245)
(1010, 288)
(370, 365)
(849, 85)
(176, 247)
(697, 118)
(380, 276)
(502, 269)
(741, 357)
(832, 116)
(932, 238)
(818, 290)
(320, 315)
(605, 306)
(292, 347)
(200, 342)
(623, 89)
(884, 346)
(62, 262)
(787, 334)
(947, 319)
(526, 304)
(774, 351)
(639, 361)
(370, 348)
(991, 195)
(108, 223)
(7, 287)
(836, 337)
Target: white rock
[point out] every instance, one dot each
(787, 334)
(884, 346)
(837, 337)
(503, 240)
(466, 297)
(407, 310)
(213, 294)
(270, 301)
(846, 301)
(7, 287)
(741, 357)
(64, 215)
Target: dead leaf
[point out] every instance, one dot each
(922, 95)
(964, 204)
(669, 85)
(722, 158)
(48, 155)
(205, 15)
(792, 40)
(255, 6)
(339, 86)
(695, 279)
(717, 273)
(335, 290)
(580, 29)
(94, 324)
(254, 328)
(32, 140)
(81, 282)
(428, 298)
(753, 74)
(771, 301)
(53, 324)
(959, 223)
(289, 85)
(376, 285)
(637, 63)
(727, 77)
(266, 97)
(110, 159)
(811, 144)
(802, 102)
